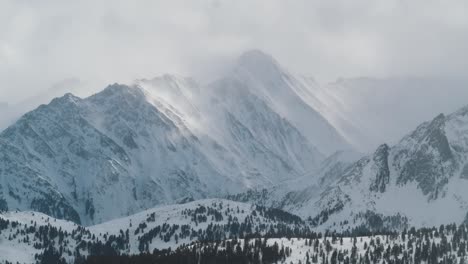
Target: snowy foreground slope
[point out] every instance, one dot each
(29, 233)
(218, 228)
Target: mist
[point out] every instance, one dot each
(48, 43)
(45, 42)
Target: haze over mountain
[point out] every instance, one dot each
(11, 112)
(370, 111)
(162, 140)
(362, 110)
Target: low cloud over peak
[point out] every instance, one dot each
(126, 40)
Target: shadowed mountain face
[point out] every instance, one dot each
(129, 148)
(92, 156)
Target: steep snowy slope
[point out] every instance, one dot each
(340, 109)
(229, 120)
(282, 91)
(105, 156)
(270, 143)
(421, 180)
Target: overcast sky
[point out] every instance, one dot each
(44, 42)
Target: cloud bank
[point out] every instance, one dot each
(100, 42)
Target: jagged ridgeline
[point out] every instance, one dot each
(420, 181)
(132, 147)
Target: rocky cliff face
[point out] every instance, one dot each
(382, 176)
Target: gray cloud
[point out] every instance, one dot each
(43, 42)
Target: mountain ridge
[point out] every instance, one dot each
(131, 147)
(421, 177)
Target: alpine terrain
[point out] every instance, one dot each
(420, 181)
(161, 141)
(249, 168)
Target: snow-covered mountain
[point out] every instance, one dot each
(298, 195)
(422, 180)
(288, 95)
(98, 158)
(256, 135)
(129, 148)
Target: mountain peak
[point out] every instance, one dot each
(258, 62)
(117, 89)
(256, 55)
(66, 99)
